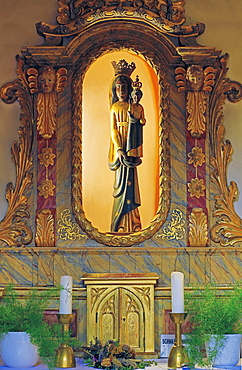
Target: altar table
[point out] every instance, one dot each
(161, 365)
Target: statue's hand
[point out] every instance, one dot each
(122, 155)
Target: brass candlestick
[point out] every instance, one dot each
(65, 355)
(178, 356)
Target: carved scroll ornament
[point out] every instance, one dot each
(228, 227)
(175, 228)
(14, 230)
(74, 16)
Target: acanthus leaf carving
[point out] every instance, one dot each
(227, 229)
(46, 82)
(45, 236)
(196, 108)
(14, 230)
(196, 81)
(198, 228)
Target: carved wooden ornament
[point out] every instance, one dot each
(192, 88)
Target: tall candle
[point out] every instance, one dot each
(66, 295)
(177, 292)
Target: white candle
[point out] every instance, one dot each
(66, 295)
(177, 292)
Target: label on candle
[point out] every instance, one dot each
(177, 292)
(66, 295)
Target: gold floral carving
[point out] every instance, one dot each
(14, 231)
(196, 157)
(198, 228)
(175, 228)
(227, 229)
(46, 188)
(45, 236)
(67, 229)
(164, 175)
(196, 81)
(46, 157)
(196, 187)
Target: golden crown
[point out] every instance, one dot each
(123, 68)
(137, 84)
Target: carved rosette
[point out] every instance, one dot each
(14, 231)
(196, 156)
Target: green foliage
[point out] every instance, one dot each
(212, 311)
(112, 355)
(27, 315)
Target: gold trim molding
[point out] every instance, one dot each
(114, 239)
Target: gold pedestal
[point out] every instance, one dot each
(178, 356)
(65, 355)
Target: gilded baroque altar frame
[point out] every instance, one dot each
(156, 32)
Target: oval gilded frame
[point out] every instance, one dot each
(88, 51)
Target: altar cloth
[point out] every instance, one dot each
(80, 365)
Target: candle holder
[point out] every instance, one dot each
(178, 356)
(65, 355)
